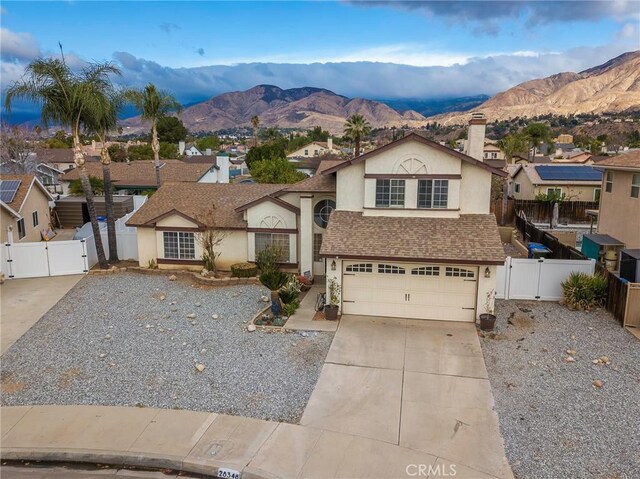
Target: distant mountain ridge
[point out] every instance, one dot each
(304, 107)
(613, 87)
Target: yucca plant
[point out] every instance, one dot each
(274, 280)
(583, 291)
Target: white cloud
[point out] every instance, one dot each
(18, 46)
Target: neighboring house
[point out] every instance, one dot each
(619, 212)
(405, 229)
(24, 203)
(138, 176)
(492, 152)
(575, 182)
(188, 149)
(315, 148)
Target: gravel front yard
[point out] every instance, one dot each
(113, 340)
(555, 422)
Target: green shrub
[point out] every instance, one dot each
(244, 270)
(287, 296)
(290, 291)
(209, 264)
(268, 259)
(289, 308)
(583, 291)
(274, 280)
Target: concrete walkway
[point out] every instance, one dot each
(24, 301)
(302, 320)
(421, 385)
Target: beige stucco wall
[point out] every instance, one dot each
(176, 221)
(350, 188)
(527, 190)
(475, 190)
(485, 286)
(258, 216)
(147, 246)
(7, 220)
(436, 161)
(619, 212)
(36, 200)
(573, 193)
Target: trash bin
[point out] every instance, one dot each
(538, 250)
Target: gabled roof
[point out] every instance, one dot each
(27, 182)
(271, 199)
(560, 174)
(625, 161)
(193, 200)
(142, 173)
(413, 136)
(11, 211)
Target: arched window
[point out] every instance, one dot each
(412, 166)
(322, 211)
(272, 222)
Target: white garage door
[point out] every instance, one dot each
(420, 291)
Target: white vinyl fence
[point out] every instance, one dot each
(539, 279)
(57, 258)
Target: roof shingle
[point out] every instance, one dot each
(468, 239)
(625, 160)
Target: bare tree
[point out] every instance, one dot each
(17, 149)
(210, 240)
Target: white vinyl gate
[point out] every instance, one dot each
(45, 258)
(539, 279)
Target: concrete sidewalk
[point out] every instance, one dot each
(203, 443)
(24, 301)
(302, 320)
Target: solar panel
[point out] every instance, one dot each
(568, 173)
(8, 190)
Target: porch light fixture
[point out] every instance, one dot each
(333, 265)
(487, 272)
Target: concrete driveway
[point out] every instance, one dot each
(24, 301)
(417, 384)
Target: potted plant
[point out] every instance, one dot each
(331, 309)
(488, 319)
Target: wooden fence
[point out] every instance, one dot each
(569, 212)
(616, 293)
(558, 250)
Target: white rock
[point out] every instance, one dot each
(214, 316)
(203, 350)
(173, 277)
(264, 299)
(198, 305)
(184, 344)
(305, 334)
(147, 326)
(251, 328)
(200, 367)
(173, 302)
(103, 355)
(569, 359)
(108, 336)
(162, 297)
(191, 316)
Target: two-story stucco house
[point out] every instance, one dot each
(405, 229)
(619, 212)
(314, 149)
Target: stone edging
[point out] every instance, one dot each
(179, 272)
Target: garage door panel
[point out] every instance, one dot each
(432, 294)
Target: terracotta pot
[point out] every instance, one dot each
(487, 322)
(331, 312)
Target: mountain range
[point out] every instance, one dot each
(613, 87)
(304, 107)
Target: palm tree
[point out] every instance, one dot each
(511, 145)
(255, 122)
(153, 104)
(355, 128)
(100, 122)
(538, 133)
(65, 98)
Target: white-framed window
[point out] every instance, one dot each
(494, 156)
(360, 268)
(554, 191)
(317, 244)
(306, 152)
(596, 194)
(635, 185)
(458, 272)
(516, 187)
(22, 232)
(433, 193)
(34, 218)
(389, 193)
(281, 240)
(608, 184)
(426, 271)
(179, 245)
(390, 269)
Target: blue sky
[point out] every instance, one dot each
(372, 49)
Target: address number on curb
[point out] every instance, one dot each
(224, 473)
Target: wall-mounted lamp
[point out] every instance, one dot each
(487, 272)
(333, 265)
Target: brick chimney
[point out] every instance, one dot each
(474, 146)
(330, 143)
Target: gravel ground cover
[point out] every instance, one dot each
(127, 340)
(556, 423)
